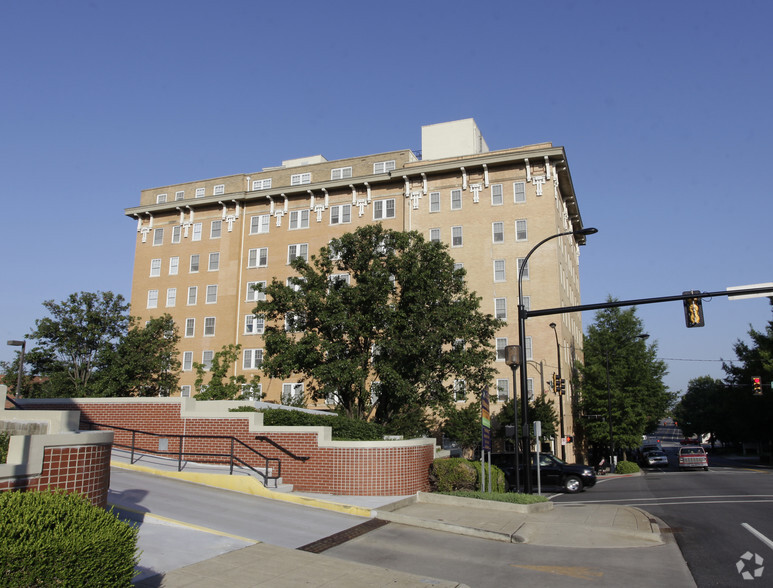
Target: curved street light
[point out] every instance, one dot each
(18, 343)
(522, 315)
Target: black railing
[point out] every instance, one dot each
(231, 455)
(16, 404)
(270, 441)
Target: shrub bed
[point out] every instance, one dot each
(5, 438)
(626, 467)
(511, 497)
(456, 473)
(53, 538)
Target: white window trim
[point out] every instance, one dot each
(453, 192)
(382, 167)
(263, 224)
(300, 220)
(300, 179)
(494, 232)
(383, 204)
(525, 238)
(214, 326)
(341, 173)
(192, 323)
(501, 194)
(453, 236)
(299, 247)
(339, 209)
(504, 270)
(263, 184)
(258, 257)
(516, 192)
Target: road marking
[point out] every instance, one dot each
(571, 571)
(757, 534)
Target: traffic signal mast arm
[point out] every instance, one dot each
(640, 301)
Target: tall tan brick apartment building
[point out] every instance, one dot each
(201, 245)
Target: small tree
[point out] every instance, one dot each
(463, 425)
(221, 385)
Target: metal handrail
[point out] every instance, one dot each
(16, 404)
(180, 453)
(280, 448)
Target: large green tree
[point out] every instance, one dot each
(381, 322)
(620, 368)
(221, 384)
(702, 409)
(144, 362)
(70, 341)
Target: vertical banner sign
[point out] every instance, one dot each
(485, 420)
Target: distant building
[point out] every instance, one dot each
(202, 244)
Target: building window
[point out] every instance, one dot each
(456, 237)
(194, 265)
(503, 390)
(253, 359)
(216, 229)
(434, 201)
(519, 191)
(500, 308)
(340, 214)
(525, 269)
(179, 195)
(196, 232)
(190, 327)
(200, 193)
(206, 358)
(456, 199)
(253, 295)
(528, 348)
(254, 325)
(498, 232)
(192, 295)
(339, 279)
(263, 184)
(527, 302)
(458, 266)
(383, 209)
(434, 235)
(174, 265)
(212, 294)
(158, 237)
(292, 393)
(520, 230)
(501, 344)
(340, 173)
(160, 198)
(152, 298)
(214, 262)
(298, 250)
(252, 391)
(460, 390)
(155, 268)
(499, 270)
(176, 234)
(299, 219)
(185, 391)
(219, 189)
(497, 198)
(171, 296)
(257, 257)
(209, 326)
(298, 179)
(259, 224)
(381, 167)
(187, 361)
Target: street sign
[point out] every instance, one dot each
(485, 420)
(750, 286)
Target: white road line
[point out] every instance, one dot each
(698, 496)
(757, 534)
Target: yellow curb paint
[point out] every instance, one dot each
(247, 485)
(571, 571)
(149, 515)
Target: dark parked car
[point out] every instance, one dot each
(554, 473)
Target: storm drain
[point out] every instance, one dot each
(343, 536)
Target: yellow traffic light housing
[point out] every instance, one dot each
(693, 310)
(757, 385)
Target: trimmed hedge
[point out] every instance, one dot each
(456, 473)
(510, 497)
(626, 467)
(5, 439)
(54, 538)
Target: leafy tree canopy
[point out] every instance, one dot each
(381, 322)
(221, 385)
(702, 410)
(618, 362)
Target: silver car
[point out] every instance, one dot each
(655, 459)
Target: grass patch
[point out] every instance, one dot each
(511, 497)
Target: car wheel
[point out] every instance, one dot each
(706, 468)
(572, 484)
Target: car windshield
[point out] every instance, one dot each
(547, 459)
(656, 454)
(692, 450)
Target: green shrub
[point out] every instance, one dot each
(5, 438)
(511, 497)
(54, 538)
(457, 473)
(343, 428)
(626, 467)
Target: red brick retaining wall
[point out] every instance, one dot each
(380, 468)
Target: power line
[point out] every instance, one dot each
(685, 359)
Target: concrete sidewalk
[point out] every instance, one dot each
(261, 564)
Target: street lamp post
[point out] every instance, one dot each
(512, 358)
(22, 344)
(612, 460)
(522, 316)
(560, 395)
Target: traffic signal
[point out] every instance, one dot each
(555, 384)
(562, 387)
(693, 310)
(757, 385)
(569, 438)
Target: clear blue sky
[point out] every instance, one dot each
(664, 108)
